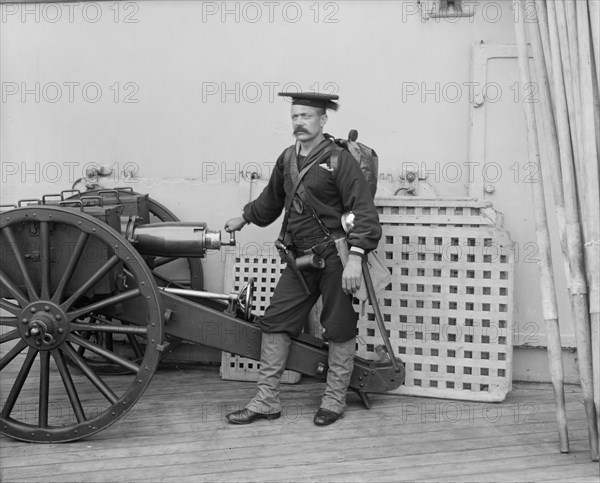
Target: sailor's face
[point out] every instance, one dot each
(307, 122)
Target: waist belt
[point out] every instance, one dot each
(307, 244)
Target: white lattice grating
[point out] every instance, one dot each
(448, 309)
(266, 272)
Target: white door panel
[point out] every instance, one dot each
(502, 174)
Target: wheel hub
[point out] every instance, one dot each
(44, 325)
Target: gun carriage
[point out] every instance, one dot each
(88, 310)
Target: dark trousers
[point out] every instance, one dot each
(290, 305)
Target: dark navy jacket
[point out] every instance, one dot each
(332, 192)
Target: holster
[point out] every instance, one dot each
(306, 261)
(285, 252)
(288, 257)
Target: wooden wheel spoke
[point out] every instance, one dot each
(11, 354)
(9, 321)
(45, 259)
(115, 329)
(13, 289)
(12, 335)
(31, 291)
(10, 308)
(103, 270)
(74, 260)
(96, 380)
(106, 353)
(18, 384)
(69, 385)
(44, 389)
(115, 299)
(160, 261)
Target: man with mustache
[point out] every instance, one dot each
(328, 190)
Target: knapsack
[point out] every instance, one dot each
(364, 155)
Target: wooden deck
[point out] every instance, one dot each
(177, 432)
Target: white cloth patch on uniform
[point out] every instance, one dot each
(325, 166)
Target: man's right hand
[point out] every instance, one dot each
(235, 224)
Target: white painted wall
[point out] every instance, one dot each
(203, 82)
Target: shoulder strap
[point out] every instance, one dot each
(290, 161)
(303, 193)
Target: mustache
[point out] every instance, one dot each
(299, 130)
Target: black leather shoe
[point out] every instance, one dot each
(325, 417)
(245, 416)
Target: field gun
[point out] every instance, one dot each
(88, 309)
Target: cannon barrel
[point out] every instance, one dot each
(173, 239)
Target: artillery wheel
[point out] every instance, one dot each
(49, 314)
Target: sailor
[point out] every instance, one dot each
(326, 191)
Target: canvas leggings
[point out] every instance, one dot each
(286, 316)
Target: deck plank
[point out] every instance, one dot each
(177, 432)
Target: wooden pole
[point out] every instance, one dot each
(578, 286)
(594, 8)
(572, 35)
(594, 11)
(542, 27)
(549, 305)
(553, 167)
(543, 67)
(567, 31)
(558, 12)
(592, 187)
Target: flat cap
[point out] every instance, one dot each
(313, 99)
